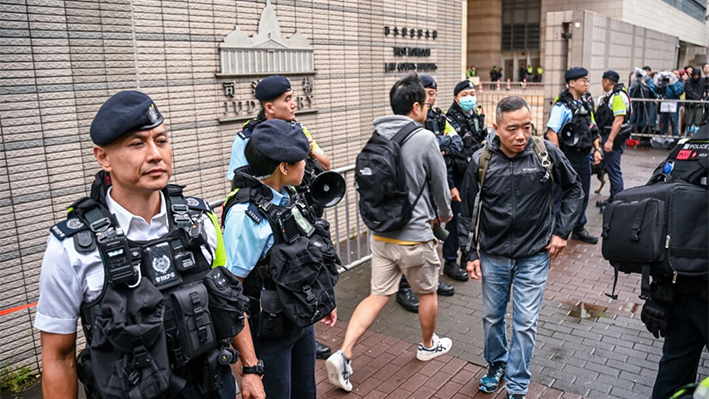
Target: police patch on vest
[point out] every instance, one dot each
(253, 212)
(162, 267)
(67, 228)
(197, 203)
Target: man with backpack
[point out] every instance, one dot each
(402, 240)
(450, 145)
(510, 239)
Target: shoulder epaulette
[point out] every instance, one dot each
(68, 228)
(197, 204)
(254, 213)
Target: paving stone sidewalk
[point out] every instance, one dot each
(587, 345)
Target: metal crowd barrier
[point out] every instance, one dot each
(349, 234)
(647, 115)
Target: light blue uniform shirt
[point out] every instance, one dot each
(238, 159)
(245, 240)
(560, 114)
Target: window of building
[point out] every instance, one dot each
(520, 24)
(694, 8)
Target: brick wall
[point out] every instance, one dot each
(61, 59)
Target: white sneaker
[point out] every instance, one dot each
(339, 370)
(441, 346)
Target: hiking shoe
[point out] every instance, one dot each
(585, 236)
(441, 346)
(339, 370)
(491, 381)
(516, 395)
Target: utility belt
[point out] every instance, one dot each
(293, 285)
(153, 328)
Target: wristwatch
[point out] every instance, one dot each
(596, 149)
(257, 369)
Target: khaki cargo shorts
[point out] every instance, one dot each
(419, 263)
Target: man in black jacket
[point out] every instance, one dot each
(694, 112)
(518, 234)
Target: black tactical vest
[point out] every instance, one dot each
(436, 121)
(472, 130)
(294, 282)
(153, 328)
(582, 121)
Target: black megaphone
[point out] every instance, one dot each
(327, 189)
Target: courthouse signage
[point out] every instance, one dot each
(244, 60)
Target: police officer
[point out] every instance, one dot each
(573, 128)
(451, 145)
(135, 239)
(613, 116)
(678, 309)
(276, 98)
(257, 254)
(468, 120)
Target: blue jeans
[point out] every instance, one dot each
(528, 276)
(450, 245)
(669, 118)
(289, 363)
(615, 175)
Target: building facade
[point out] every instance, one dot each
(199, 61)
(512, 33)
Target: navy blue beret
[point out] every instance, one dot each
(280, 141)
(611, 75)
(428, 82)
(271, 88)
(575, 73)
(124, 112)
(464, 85)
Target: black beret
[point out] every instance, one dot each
(611, 75)
(428, 82)
(126, 111)
(464, 85)
(271, 88)
(575, 73)
(280, 141)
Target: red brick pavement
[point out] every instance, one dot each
(386, 367)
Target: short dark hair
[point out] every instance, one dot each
(407, 91)
(261, 165)
(510, 104)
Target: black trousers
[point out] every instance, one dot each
(682, 350)
(450, 245)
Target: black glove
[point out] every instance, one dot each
(656, 318)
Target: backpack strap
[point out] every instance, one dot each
(541, 150)
(405, 132)
(483, 164)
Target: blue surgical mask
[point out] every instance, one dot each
(467, 103)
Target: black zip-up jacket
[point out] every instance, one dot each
(517, 215)
(694, 89)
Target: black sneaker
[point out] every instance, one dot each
(585, 236)
(516, 396)
(445, 289)
(452, 270)
(406, 298)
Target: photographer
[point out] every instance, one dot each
(694, 89)
(669, 88)
(643, 87)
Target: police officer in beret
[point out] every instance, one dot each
(263, 242)
(113, 262)
(450, 145)
(468, 120)
(572, 127)
(276, 98)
